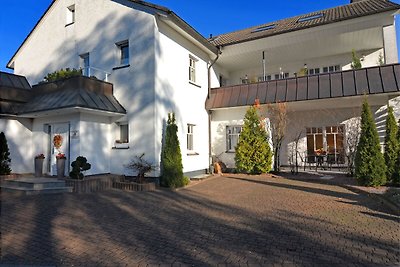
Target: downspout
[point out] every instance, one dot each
(210, 167)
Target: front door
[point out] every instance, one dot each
(58, 143)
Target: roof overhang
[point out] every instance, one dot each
(70, 110)
(182, 27)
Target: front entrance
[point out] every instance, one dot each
(58, 143)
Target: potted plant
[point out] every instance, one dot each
(60, 162)
(39, 159)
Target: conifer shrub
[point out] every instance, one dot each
(171, 157)
(396, 175)
(370, 168)
(355, 61)
(5, 160)
(253, 152)
(78, 166)
(391, 145)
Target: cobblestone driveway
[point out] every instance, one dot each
(231, 220)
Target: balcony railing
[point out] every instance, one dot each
(95, 72)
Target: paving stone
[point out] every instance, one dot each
(234, 220)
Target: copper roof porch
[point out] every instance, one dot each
(381, 80)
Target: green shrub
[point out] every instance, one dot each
(78, 166)
(253, 152)
(62, 74)
(171, 157)
(391, 145)
(355, 61)
(396, 175)
(5, 160)
(370, 168)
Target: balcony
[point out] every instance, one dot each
(381, 80)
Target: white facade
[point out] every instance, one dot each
(151, 79)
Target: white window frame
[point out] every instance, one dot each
(70, 15)
(123, 61)
(192, 69)
(231, 131)
(123, 128)
(85, 63)
(190, 137)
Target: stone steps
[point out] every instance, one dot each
(35, 186)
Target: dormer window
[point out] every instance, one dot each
(70, 15)
(264, 28)
(312, 17)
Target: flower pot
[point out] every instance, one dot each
(39, 167)
(60, 167)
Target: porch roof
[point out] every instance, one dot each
(313, 19)
(76, 92)
(367, 81)
(14, 91)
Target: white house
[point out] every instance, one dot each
(149, 62)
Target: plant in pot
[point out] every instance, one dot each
(39, 159)
(60, 162)
(78, 166)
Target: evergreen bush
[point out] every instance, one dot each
(391, 145)
(370, 168)
(5, 160)
(171, 157)
(253, 152)
(396, 175)
(78, 166)
(355, 61)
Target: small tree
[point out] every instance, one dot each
(370, 169)
(78, 166)
(5, 160)
(253, 153)
(171, 157)
(352, 136)
(355, 61)
(141, 166)
(391, 145)
(278, 118)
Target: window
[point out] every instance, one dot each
(232, 137)
(192, 69)
(70, 15)
(313, 71)
(331, 69)
(314, 141)
(264, 28)
(123, 133)
(329, 139)
(123, 48)
(312, 17)
(190, 131)
(85, 64)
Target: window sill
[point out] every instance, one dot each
(192, 154)
(121, 146)
(122, 67)
(69, 24)
(195, 84)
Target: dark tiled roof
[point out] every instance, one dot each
(331, 15)
(13, 81)
(14, 91)
(374, 80)
(76, 92)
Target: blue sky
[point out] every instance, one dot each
(17, 18)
